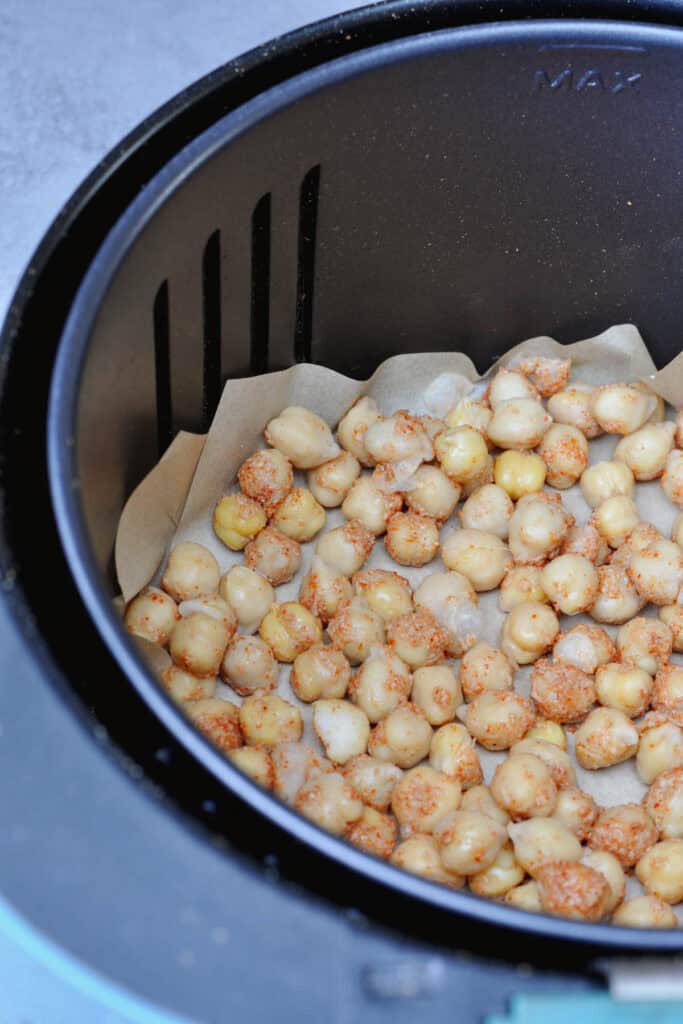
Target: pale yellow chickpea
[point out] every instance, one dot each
(355, 629)
(422, 797)
(387, 593)
(330, 482)
(537, 529)
(500, 876)
(417, 638)
(519, 473)
(586, 647)
(646, 450)
(664, 803)
(485, 667)
(398, 437)
(660, 749)
(481, 557)
(249, 593)
(547, 375)
(509, 384)
(571, 583)
(352, 427)
(522, 785)
(452, 600)
(528, 632)
(302, 436)
(645, 643)
(254, 762)
(267, 477)
(606, 737)
(433, 425)
(469, 842)
(678, 436)
(320, 672)
(573, 890)
(645, 912)
(577, 811)
(237, 519)
(671, 479)
(248, 665)
(668, 688)
(660, 870)
(615, 519)
(556, 760)
(218, 720)
(432, 493)
(518, 423)
(626, 831)
(624, 687)
(617, 600)
(420, 856)
(672, 616)
(182, 686)
(412, 539)
(657, 572)
(485, 476)
(191, 571)
(342, 728)
(561, 691)
(273, 555)
(403, 738)
(330, 802)
(373, 780)
(524, 897)
(489, 508)
(548, 731)
(470, 413)
(289, 629)
(437, 691)
(381, 683)
(621, 408)
(347, 547)
(374, 832)
(453, 752)
(213, 605)
(198, 643)
(643, 536)
(612, 871)
(295, 764)
(368, 504)
(323, 590)
(564, 449)
(152, 615)
(521, 584)
(585, 540)
(462, 453)
(605, 480)
(539, 841)
(497, 718)
(677, 530)
(479, 799)
(299, 515)
(266, 720)
(573, 407)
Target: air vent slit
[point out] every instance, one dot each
(308, 222)
(260, 285)
(162, 363)
(211, 310)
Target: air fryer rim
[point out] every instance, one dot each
(61, 455)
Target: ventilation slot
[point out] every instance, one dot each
(162, 361)
(308, 219)
(260, 285)
(211, 306)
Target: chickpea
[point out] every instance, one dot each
(198, 643)
(645, 643)
(387, 593)
(398, 437)
(152, 615)
(611, 870)
(668, 688)
(462, 453)
(518, 423)
(548, 731)
(677, 530)
(577, 811)
(294, 765)
(304, 438)
(323, 590)
(381, 683)
(237, 519)
(182, 686)
(671, 479)
(219, 720)
(522, 785)
(606, 737)
(615, 519)
(626, 831)
(605, 480)
(509, 384)
(539, 841)
(420, 856)
(643, 536)
(529, 630)
(374, 832)
(548, 375)
(481, 557)
(412, 539)
(249, 593)
(489, 509)
(659, 413)
(355, 629)
(485, 667)
(273, 555)
(645, 912)
(431, 493)
(402, 738)
(347, 547)
(422, 797)
(624, 687)
(485, 476)
(417, 638)
(330, 482)
(660, 748)
(497, 719)
(524, 897)
(571, 583)
(452, 600)
(564, 449)
(453, 752)
(373, 780)
(501, 876)
(573, 407)
(368, 504)
(320, 672)
(617, 600)
(470, 413)
(330, 802)
(621, 409)
(248, 665)
(585, 540)
(299, 515)
(556, 760)
(660, 870)
(657, 572)
(573, 890)
(469, 842)
(342, 729)
(664, 804)
(561, 691)
(267, 477)
(519, 473)
(645, 452)
(267, 720)
(352, 428)
(678, 436)
(672, 616)
(255, 763)
(191, 571)
(521, 584)
(212, 605)
(437, 691)
(586, 647)
(537, 530)
(479, 799)
(433, 426)
(289, 629)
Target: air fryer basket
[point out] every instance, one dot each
(459, 189)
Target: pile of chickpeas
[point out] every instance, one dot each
(402, 698)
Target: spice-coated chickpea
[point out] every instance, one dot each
(617, 600)
(482, 557)
(182, 686)
(295, 764)
(615, 519)
(437, 691)
(660, 749)
(330, 482)
(214, 606)
(644, 535)
(573, 407)
(564, 449)
(522, 785)
(248, 665)
(249, 593)
(330, 802)
(561, 691)
(373, 780)
(347, 547)
(198, 643)
(624, 687)
(660, 870)
(191, 571)
(462, 453)
(548, 731)
(219, 720)
(645, 643)
(664, 803)
(484, 667)
(352, 428)
(299, 515)
(678, 423)
(509, 384)
(672, 477)
(571, 583)
(668, 688)
(420, 856)
(422, 797)
(537, 529)
(620, 408)
(320, 672)
(645, 452)
(412, 539)
(500, 876)
(273, 555)
(254, 762)
(672, 616)
(657, 572)
(539, 841)
(433, 425)
(478, 798)
(323, 589)
(524, 897)
(518, 423)
(342, 728)
(289, 629)
(355, 629)
(489, 508)
(237, 519)
(453, 752)
(387, 593)
(152, 615)
(497, 719)
(645, 912)
(485, 476)
(381, 683)
(577, 811)
(529, 630)
(547, 375)
(432, 493)
(585, 540)
(605, 480)
(470, 413)
(267, 477)
(304, 438)
(521, 584)
(402, 738)
(266, 720)
(469, 842)
(374, 832)
(606, 737)
(626, 831)
(398, 437)
(573, 890)
(519, 473)
(556, 760)
(677, 530)
(417, 638)
(613, 873)
(452, 600)
(586, 647)
(367, 504)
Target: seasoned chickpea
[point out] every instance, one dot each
(482, 557)
(643, 536)
(182, 686)
(347, 547)
(381, 683)
(387, 593)
(522, 785)
(289, 629)
(556, 760)
(219, 720)
(561, 691)
(372, 779)
(267, 477)
(342, 729)
(615, 519)
(453, 602)
(645, 643)
(519, 473)
(198, 643)
(500, 876)
(462, 453)
(485, 476)
(573, 890)
(323, 590)
(249, 665)
(586, 647)
(657, 572)
(368, 504)
(433, 425)
(479, 799)
(304, 438)
(585, 540)
(249, 593)
(489, 509)
(374, 832)
(571, 583)
(295, 764)
(524, 897)
(528, 632)
(664, 803)
(605, 480)
(672, 477)
(212, 605)
(398, 437)
(453, 752)
(266, 720)
(612, 871)
(191, 571)
(497, 719)
(417, 638)
(518, 423)
(577, 811)
(420, 856)
(431, 493)
(617, 600)
(484, 667)
(237, 519)
(402, 738)
(606, 737)
(668, 688)
(330, 802)
(255, 763)
(521, 584)
(672, 616)
(548, 731)
(660, 870)
(645, 452)
(645, 912)
(469, 842)
(537, 529)
(621, 409)
(352, 428)
(509, 384)
(626, 831)
(422, 797)
(273, 555)
(624, 687)
(564, 449)
(678, 436)
(677, 530)
(355, 629)
(299, 515)
(539, 841)
(330, 482)
(573, 407)
(470, 413)
(320, 672)
(412, 539)
(660, 749)
(152, 615)
(547, 375)
(437, 691)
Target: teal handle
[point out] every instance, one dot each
(586, 1009)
